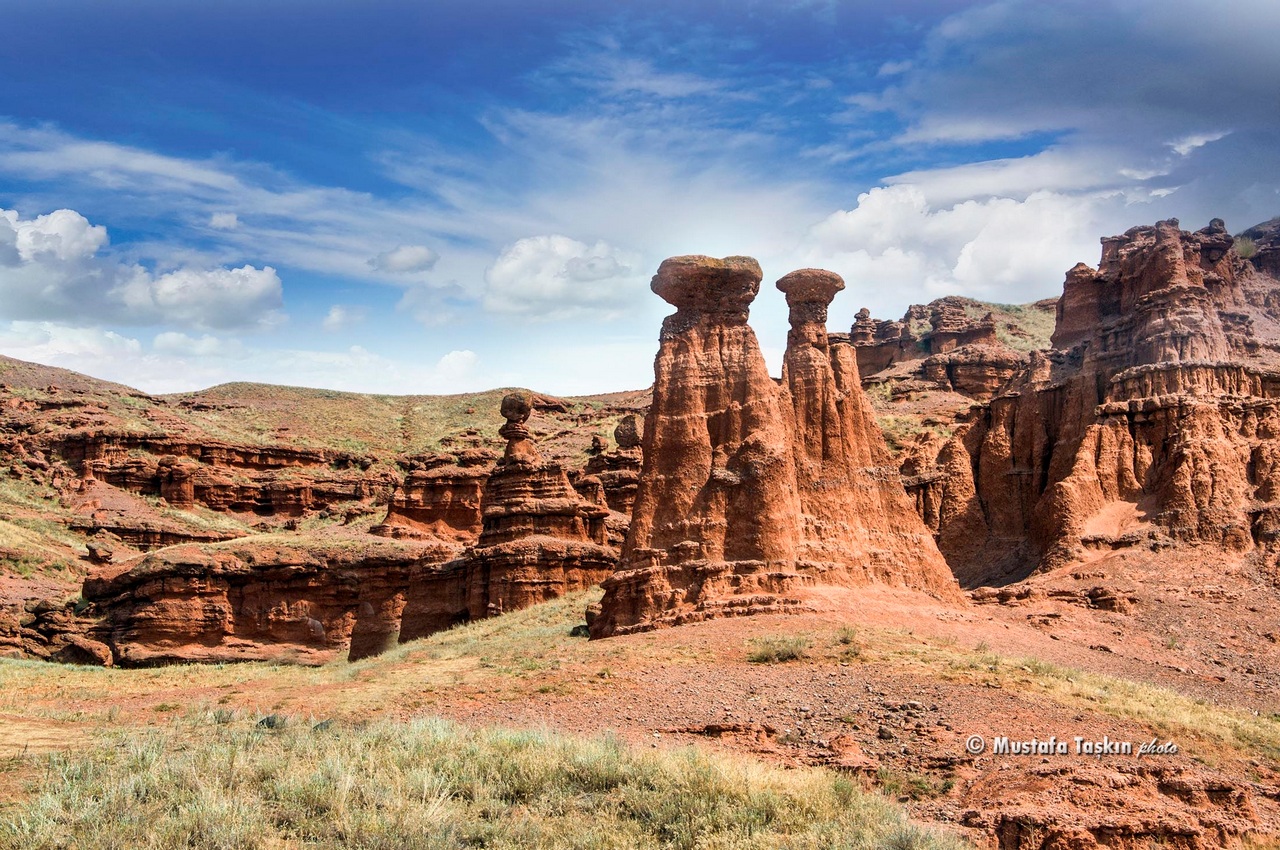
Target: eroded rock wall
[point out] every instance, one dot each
(1153, 420)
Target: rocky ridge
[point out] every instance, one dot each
(1150, 422)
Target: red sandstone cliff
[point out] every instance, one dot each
(340, 591)
(1152, 420)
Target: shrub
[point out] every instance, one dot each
(776, 648)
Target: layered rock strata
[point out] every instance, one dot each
(539, 540)
(1153, 419)
(345, 592)
(730, 512)
(852, 505)
(305, 603)
(933, 329)
(439, 498)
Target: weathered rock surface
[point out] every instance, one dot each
(855, 519)
(439, 498)
(254, 601)
(619, 471)
(731, 511)
(539, 538)
(936, 328)
(344, 592)
(1154, 418)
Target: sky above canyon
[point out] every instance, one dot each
(407, 197)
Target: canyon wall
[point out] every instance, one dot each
(1152, 420)
(464, 538)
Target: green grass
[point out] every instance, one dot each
(1037, 323)
(219, 783)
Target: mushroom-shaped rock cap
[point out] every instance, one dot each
(810, 286)
(516, 406)
(707, 285)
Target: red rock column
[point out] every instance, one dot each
(714, 528)
(855, 515)
(716, 481)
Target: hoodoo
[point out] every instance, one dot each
(855, 516)
(730, 517)
(539, 540)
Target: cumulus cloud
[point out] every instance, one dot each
(207, 298)
(51, 268)
(895, 243)
(457, 365)
(343, 316)
(555, 277)
(61, 345)
(405, 259)
(61, 235)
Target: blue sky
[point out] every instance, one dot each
(393, 196)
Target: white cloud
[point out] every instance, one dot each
(553, 277)
(60, 275)
(405, 259)
(892, 69)
(895, 244)
(458, 365)
(343, 316)
(59, 345)
(224, 221)
(176, 362)
(174, 342)
(62, 234)
(208, 298)
(1187, 144)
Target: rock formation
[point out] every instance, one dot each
(346, 592)
(852, 505)
(933, 329)
(439, 498)
(619, 471)
(306, 602)
(1153, 418)
(719, 524)
(539, 540)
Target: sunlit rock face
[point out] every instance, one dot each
(1151, 422)
(732, 515)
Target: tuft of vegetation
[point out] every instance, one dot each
(773, 649)
(913, 786)
(848, 644)
(1246, 247)
(429, 784)
(900, 430)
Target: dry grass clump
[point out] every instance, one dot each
(429, 784)
(772, 649)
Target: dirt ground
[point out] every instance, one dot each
(891, 687)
